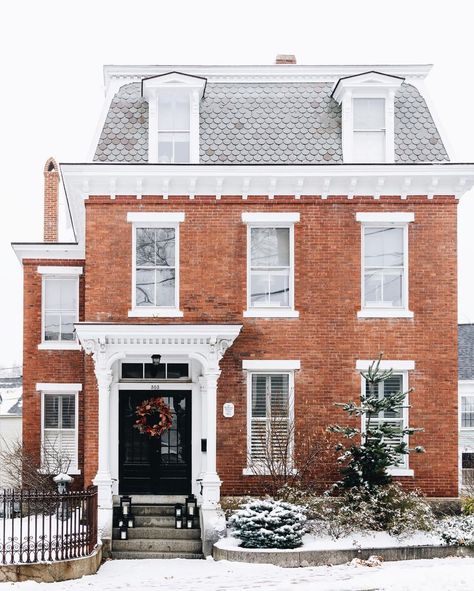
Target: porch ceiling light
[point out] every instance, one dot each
(156, 359)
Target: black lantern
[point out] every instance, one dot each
(124, 532)
(191, 506)
(125, 506)
(189, 523)
(130, 521)
(178, 510)
(178, 522)
(156, 359)
(122, 522)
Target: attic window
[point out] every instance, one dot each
(173, 106)
(173, 128)
(369, 128)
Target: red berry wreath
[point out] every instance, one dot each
(154, 417)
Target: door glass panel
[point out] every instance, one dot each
(155, 372)
(132, 371)
(175, 371)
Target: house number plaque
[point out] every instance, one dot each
(155, 386)
(228, 410)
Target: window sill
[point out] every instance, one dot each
(271, 313)
(384, 313)
(155, 313)
(401, 472)
(59, 346)
(262, 472)
(74, 472)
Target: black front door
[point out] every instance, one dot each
(155, 465)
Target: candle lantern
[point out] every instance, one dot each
(130, 521)
(121, 522)
(178, 510)
(178, 522)
(123, 533)
(191, 506)
(125, 506)
(189, 523)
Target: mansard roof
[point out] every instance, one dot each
(268, 122)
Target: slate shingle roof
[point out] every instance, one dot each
(466, 351)
(268, 123)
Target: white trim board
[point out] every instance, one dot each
(271, 364)
(55, 387)
(385, 217)
(396, 365)
(47, 270)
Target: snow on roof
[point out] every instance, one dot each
(11, 401)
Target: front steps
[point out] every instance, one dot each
(155, 536)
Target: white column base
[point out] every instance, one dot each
(213, 528)
(104, 505)
(211, 491)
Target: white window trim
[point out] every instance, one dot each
(50, 270)
(264, 365)
(367, 85)
(466, 389)
(54, 388)
(155, 220)
(273, 220)
(248, 470)
(177, 83)
(399, 368)
(59, 273)
(392, 219)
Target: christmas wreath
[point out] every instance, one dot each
(154, 417)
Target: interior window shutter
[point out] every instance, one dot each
(258, 424)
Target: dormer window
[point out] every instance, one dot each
(368, 126)
(369, 129)
(174, 128)
(173, 115)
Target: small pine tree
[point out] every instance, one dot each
(269, 524)
(380, 444)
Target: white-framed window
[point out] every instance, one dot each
(59, 307)
(270, 415)
(270, 264)
(173, 115)
(155, 264)
(467, 468)
(398, 382)
(59, 427)
(467, 412)
(368, 120)
(384, 250)
(369, 130)
(174, 128)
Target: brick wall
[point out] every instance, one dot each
(327, 337)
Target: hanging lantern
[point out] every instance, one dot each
(124, 532)
(191, 506)
(125, 506)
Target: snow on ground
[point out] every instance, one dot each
(368, 539)
(448, 574)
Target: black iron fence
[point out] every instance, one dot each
(37, 526)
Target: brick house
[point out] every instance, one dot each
(247, 240)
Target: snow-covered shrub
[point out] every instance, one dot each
(385, 508)
(457, 531)
(269, 524)
(467, 506)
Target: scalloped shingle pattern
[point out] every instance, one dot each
(268, 124)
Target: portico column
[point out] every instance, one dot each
(211, 482)
(103, 478)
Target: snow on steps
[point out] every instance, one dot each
(155, 536)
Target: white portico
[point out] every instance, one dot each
(203, 346)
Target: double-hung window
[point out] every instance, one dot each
(60, 306)
(369, 130)
(59, 429)
(467, 412)
(155, 290)
(174, 128)
(270, 413)
(270, 264)
(384, 264)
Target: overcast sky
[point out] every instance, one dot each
(52, 53)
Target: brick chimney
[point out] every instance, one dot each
(285, 58)
(51, 200)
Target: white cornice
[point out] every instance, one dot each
(48, 251)
(317, 181)
(266, 73)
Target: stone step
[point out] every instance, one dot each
(126, 555)
(153, 510)
(158, 533)
(154, 521)
(153, 499)
(169, 545)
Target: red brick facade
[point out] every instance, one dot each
(327, 338)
